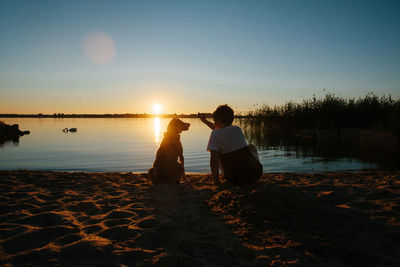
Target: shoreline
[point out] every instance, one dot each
(196, 173)
(114, 218)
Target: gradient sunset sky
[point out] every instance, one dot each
(190, 56)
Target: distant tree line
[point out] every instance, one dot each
(126, 115)
(331, 111)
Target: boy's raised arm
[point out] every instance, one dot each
(205, 121)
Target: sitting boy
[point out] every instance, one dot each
(228, 147)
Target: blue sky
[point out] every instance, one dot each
(190, 56)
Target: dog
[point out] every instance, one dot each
(166, 168)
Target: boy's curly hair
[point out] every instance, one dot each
(224, 113)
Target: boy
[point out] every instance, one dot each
(228, 147)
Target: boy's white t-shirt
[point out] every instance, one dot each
(226, 139)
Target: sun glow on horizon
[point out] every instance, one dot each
(157, 108)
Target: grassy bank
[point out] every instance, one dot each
(331, 111)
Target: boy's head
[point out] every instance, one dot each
(223, 115)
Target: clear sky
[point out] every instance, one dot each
(189, 56)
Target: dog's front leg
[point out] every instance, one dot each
(182, 161)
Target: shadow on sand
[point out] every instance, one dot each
(317, 220)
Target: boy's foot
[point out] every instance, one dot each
(216, 182)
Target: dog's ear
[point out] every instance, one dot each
(174, 120)
(173, 124)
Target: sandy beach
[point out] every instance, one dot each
(120, 219)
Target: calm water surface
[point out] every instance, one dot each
(105, 144)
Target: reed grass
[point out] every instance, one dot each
(331, 111)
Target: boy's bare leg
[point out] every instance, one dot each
(221, 168)
(253, 151)
(214, 165)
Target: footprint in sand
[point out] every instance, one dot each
(92, 229)
(119, 233)
(117, 214)
(116, 222)
(88, 207)
(35, 238)
(43, 220)
(148, 222)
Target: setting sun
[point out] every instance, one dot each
(157, 108)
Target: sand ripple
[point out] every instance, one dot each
(115, 219)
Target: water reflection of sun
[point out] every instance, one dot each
(157, 129)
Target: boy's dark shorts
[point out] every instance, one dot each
(241, 167)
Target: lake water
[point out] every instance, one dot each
(106, 144)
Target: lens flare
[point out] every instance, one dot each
(99, 47)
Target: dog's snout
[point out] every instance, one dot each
(186, 126)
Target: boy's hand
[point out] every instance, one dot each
(202, 116)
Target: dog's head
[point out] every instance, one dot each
(178, 126)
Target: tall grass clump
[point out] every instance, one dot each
(331, 111)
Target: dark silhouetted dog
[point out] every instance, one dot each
(166, 168)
